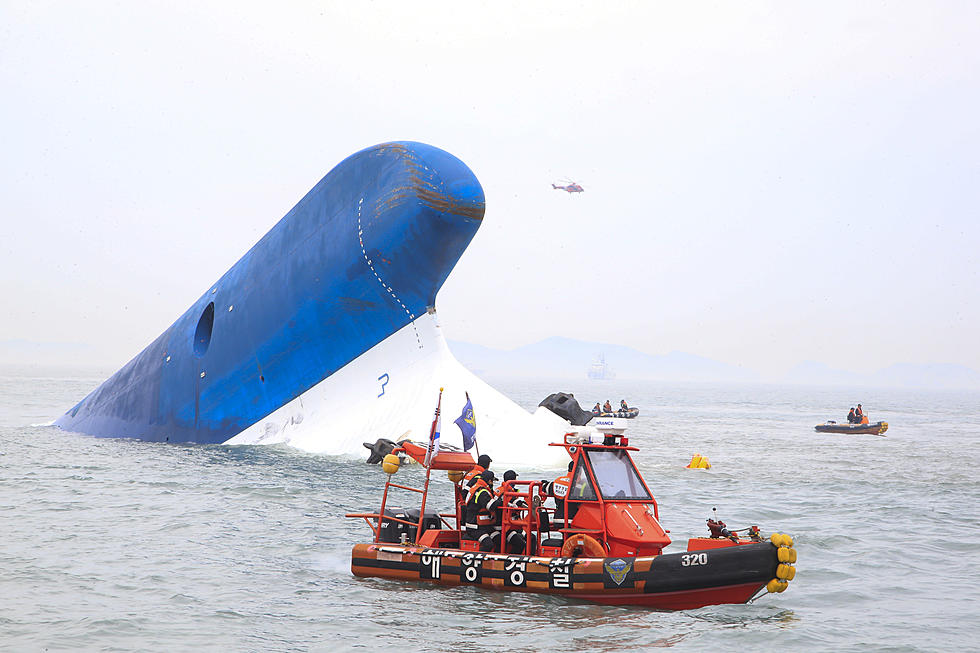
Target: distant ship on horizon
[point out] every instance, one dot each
(600, 370)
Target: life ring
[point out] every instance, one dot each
(588, 545)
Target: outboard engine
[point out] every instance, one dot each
(565, 406)
(391, 531)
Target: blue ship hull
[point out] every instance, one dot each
(361, 256)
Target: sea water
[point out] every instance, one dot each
(113, 544)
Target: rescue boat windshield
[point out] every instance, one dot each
(581, 489)
(616, 475)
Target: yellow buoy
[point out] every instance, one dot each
(775, 586)
(390, 464)
(699, 462)
(785, 554)
(456, 475)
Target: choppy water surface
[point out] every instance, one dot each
(126, 545)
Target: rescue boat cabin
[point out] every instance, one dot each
(608, 509)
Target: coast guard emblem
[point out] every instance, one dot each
(617, 570)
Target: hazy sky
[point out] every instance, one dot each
(765, 182)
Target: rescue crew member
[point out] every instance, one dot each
(850, 417)
(558, 490)
(607, 407)
(859, 415)
(482, 465)
(509, 475)
(515, 538)
(596, 409)
(479, 515)
(622, 405)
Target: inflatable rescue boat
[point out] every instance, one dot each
(877, 428)
(629, 413)
(609, 551)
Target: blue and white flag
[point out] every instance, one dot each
(467, 424)
(433, 449)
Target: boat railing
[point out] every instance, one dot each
(443, 516)
(510, 514)
(406, 487)
(375, 520)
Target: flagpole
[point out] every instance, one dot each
(475, 443)
(430, 454)
(428, 470)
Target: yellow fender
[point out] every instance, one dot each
(781, 539)
(785, 572)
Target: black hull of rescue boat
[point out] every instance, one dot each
(878, 428)
(676, 581)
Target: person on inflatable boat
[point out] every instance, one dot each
(861, 418)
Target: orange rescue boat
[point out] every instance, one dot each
(611, 550)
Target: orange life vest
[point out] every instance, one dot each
(480, 484)
(483, 517)
(560, 487)
(473, 473)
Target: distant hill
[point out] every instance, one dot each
(906, 375)
(814, 373)
(564, 357)
(559, 357)
(937, 375)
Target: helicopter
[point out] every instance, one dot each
(569, 187)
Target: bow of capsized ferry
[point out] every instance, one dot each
(324, 334)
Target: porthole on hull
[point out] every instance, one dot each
(202, 336)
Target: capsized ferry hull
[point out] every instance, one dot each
(676, 581)
(324, 334)
(358, 259)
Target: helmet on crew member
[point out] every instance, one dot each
(488, 476)
(510, 475)
(484, 461)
